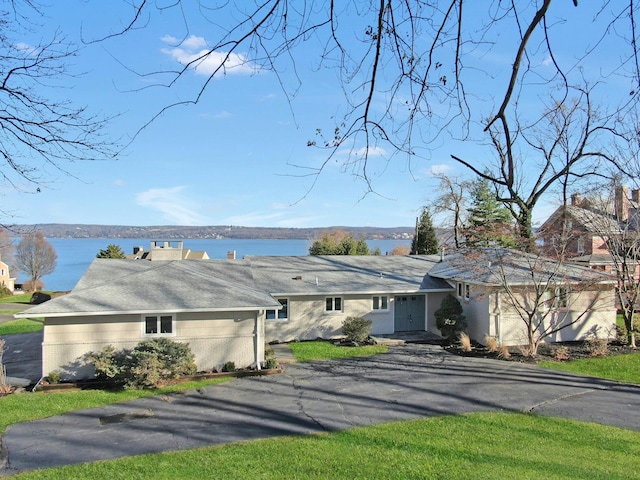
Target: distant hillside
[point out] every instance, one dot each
(168, 232)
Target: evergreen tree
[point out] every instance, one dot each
(425, 241)
(112, 251)
(489, 222)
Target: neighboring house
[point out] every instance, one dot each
(228, 309)
(579, 231)
(6, 280)
(167, 250)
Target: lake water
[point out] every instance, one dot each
(76, 254)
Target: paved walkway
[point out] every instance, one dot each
(410, 381)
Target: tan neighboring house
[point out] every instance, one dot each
(167, 250)
(6, 280)
(227, 310)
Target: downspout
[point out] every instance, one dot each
(258, 340)
(499, 325)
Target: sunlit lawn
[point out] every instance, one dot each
(19, 298)
(620, 368)
(22, 325)
(478, 446)
(32, 406)
(323, 350)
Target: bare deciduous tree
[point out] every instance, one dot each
(617, 226)
(452, 198)
(416, 73)
(36, 257)
(568, 142)
(37, 127)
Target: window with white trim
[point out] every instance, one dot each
(282, 314)
(159, 325)
(459, 289)
(467, 291)
(561, 297)
(333, 304)
(380, 302)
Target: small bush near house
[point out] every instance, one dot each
(491, 343)
(146, 365)
(229, 367)
(53, 377)
(561, 353)
(356, 329)
(465, 342)
(503, 352)
(271, 363)
(598, 347)
(449, 318)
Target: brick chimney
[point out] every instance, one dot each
(231, 255)
(576, 199)
(622, 203)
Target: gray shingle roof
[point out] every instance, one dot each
(135, 286)
(345, 274)
(494, 267)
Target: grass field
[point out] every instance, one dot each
(321, 350)
(478, 446)
(22, 325)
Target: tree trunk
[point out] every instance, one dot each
(526, 238)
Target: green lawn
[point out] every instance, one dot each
(32, 406)
(20, 298)
(478, 446)
(323, 350)
(22, 325)
(620, 368)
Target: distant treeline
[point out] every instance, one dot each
(59, 230)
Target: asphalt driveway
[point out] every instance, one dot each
(410, 381)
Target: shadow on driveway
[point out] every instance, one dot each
(411, 381)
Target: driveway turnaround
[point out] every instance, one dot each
(410, 381)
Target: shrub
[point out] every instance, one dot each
(449, 318)
(598, 347)
(229, 367)
(561, 352)
(503, 352)
(150, 362)
(53, 377)
(356, 329)
(465, 342)
(491, 343)
(271, 363)
(107, 363)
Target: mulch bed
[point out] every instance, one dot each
(551, 352)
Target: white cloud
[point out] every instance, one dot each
(172, 204)
(440, 169)
(119, 183)
(193, 51)
(372, 151)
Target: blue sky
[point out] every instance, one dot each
(235, 157)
